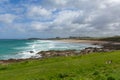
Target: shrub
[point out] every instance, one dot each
(110, 78)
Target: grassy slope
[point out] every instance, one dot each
(87, 67)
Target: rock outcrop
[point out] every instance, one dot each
(111, 46)
(53, 53)
(92, 50)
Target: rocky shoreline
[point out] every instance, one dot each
(105, 48)
(53, 53)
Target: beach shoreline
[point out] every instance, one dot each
(106, 47)
(97, 42)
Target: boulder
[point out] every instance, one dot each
(31, 51)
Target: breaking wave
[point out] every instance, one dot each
(31, 48)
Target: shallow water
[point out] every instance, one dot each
(17, 49)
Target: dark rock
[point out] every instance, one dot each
(106, 48)
(111, 46)
(53, 53)
(31, 51)
(92, 50)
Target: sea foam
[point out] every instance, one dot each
(31, 48)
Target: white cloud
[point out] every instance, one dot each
(7, 18)
(66, 16)
(69, 17)
(80, 17)
(113, 1)
(60, 2)
(36, 11)
(38, 26)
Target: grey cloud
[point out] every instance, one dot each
(73, 17)
(83, 17)
(7, 18)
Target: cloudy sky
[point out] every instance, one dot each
(51, 18)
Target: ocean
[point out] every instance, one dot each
(20, 49)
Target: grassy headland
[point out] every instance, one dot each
(94, 66)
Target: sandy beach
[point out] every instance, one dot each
(87, 41)
(83, 41)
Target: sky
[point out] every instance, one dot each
(62, 18)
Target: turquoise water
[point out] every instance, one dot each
(21, 48)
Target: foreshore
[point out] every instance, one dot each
(106, 47)
(98, 42)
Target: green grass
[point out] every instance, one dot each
(86, 67)
(114, 39)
